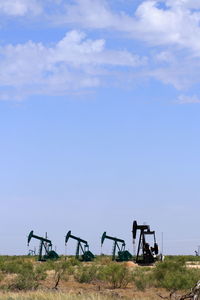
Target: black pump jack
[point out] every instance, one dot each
(145, 253)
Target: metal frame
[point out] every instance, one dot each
(44, 243)
(86, 254)
(121, 250)
(145, 253)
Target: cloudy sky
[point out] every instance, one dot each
(99, 121)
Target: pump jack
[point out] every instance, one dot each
(32, 252)
(86, 254)
(149, 254)
(123, 255)
(46, 244)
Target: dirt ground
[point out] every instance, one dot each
(73, 287)
(193, 264)
(129, 292)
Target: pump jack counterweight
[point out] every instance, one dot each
(123, 255)
(82, 246)
(45, 244)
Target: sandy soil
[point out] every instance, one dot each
(193, 264)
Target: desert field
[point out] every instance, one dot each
(24, 278)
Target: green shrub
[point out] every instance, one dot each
(173, 275)
(168, 267)
(103, 259)
(86, 274)
(117, 275)
(142, 278)
(61, 269)
(16, 267)
(1, 276)
(73, 261)
(27, 281)
(28, 278)
(24, 282)
(183, 257)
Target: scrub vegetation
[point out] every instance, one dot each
(69, 278)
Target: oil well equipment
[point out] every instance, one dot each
(46, 245)
(32, 252)
(119, 244)
(145, 253)
(82, 249)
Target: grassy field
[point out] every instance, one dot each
(24, 278)
(52, 296)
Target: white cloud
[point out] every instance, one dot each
(165, 56)
(75, 62)
(184, 99)
(94, 14)
(192, 4)
(167, 30)
(19, 7)
(182, 72)
(177, 24)
(171, 28)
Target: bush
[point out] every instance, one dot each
(173, 275)
(182, 257)
(73, 261)
(24, 282)
(15, 267)
(103, 259)
(118, 275)
(61, 269)
(142, 278)
(86, 274)
(28, 278)
(27, 281)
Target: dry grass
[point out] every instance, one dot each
(193, 264)
(53, 296)
(40, 295)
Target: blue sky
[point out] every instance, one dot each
(99, 121)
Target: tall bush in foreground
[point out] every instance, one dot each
(174, 275)
(28, 279)
(117, 275)
(62, 270)
(142, 278)
(86, 274)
